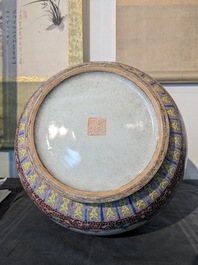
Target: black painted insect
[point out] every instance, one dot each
(53, 10)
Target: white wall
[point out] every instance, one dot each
(102, 30)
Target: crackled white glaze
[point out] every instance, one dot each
(110, 158)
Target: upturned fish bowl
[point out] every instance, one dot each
(100, 148)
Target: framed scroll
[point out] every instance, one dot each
(160, 37)
(40, 38)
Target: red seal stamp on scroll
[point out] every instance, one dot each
(97, 126)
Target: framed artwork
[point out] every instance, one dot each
(159, 37)
(39, 39)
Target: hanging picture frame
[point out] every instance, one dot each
(39, 39)
(160, 37)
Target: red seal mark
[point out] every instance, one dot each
(96, 126)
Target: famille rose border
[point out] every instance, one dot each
(120, 215)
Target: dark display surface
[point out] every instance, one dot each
(28, 236)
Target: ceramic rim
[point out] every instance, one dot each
(143, 178)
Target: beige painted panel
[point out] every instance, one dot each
(159, 37)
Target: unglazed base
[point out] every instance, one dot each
(96, 131)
